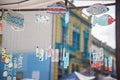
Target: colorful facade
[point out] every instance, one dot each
(75, 38)
(109, 60)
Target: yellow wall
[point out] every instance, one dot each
(82, 27)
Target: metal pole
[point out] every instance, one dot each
(118, 38)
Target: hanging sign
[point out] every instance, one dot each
(15, 19)
(97, 9)
(56, 9)
(103, 20)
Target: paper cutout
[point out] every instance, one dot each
(41, 55)
(20, 61)
(55, 55)
(66, 60)
(15, 19)
(105, 63)
(1, 26)
(3, 54)
(67, 17)
(41, 19)
(37, 51)
(103, 20)
(98, 59)
(14, 78)
(8, 59)
(5, 73)
(9, 78)
(15, 63)
(10, 65)
(97, 9)
(110, 63)
(56, 9)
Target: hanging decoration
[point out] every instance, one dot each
(1, 26)
(66, 60)
(14, 19)
(106, 63)
(3, 54)
(41, 55)
(109, 63)
(47, 53)
(55, 55)
(103, 20)
(41, 19)
(98, 59)
(67, 17)
(97, 9)
(20, 61)
(56, 9)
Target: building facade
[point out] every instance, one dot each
(75, 38)
(109, 66)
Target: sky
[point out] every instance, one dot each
(106, 34)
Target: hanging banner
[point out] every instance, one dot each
(105, 63)
(110, 63)
(56, 9)
(67, 17)
(1, 26)
(97, 9)
(15, 19)
(98, 59)
(55, 55)
(103, 20)
(41, 55)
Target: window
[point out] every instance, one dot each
(76, 40)
(86, 38)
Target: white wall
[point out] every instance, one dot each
(33, 34)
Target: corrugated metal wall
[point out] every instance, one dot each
(33, 34)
